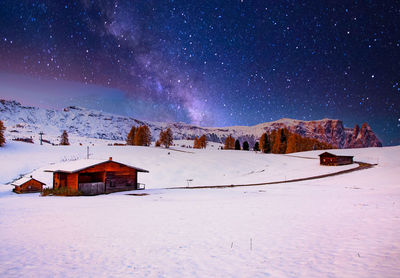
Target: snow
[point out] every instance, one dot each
(21, 181)
(173, 167)
(80, 164)
(340, 226)
(86, 126)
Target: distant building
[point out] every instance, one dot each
(330, 159)
(27, 185)
(92, 177)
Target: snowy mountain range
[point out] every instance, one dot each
(26, 122)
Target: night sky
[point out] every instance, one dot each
(210, 63)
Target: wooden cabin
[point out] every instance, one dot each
(330, 159)
(93, 177)
(27, 185)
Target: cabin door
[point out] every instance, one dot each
(109, 183)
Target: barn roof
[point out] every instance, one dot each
(333, 155)
(327, 154)
(23, 180)
(82, 164)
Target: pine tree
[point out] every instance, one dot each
(166, 138)
(237, 145)
(200, 143)
(265, 144)
(284, 132)
(293, 143)
(196, 143)
(229, 143)
(142, 136)
(297, 143)
(64, 139)
(256, 147)
(2, 137)
(246, 146)
(139, 137)
(147, 135)
(275, 141)
(203, 141)
(130, 140)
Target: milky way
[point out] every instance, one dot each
(218, 62)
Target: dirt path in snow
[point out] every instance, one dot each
(361, 166)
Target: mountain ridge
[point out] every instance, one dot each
(28, 121)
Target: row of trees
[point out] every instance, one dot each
(200, 143)
(232, 144)
(139, 136)
(229, 143)
(279, 141)
(284, 141)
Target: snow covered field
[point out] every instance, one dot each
(341, 226)
(168, 167)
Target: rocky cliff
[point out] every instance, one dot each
(24, 121)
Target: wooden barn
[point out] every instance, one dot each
(92, 177)
(27, 185)
(330, 159)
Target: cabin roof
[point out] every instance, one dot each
(333, 155)
(23, 180)
(82, 164)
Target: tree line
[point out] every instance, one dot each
(141, 136)
(200, 143)
(137, 136)
(232, 144)
(279, 141)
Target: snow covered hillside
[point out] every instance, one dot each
(168, 167)
(340, 226)
(23, 121)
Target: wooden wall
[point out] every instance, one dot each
(344, 160)
(330, 160)
(29, 186)
(120, 181)
(70, 180)
(336, 160)
(115, 176)
(94, 188)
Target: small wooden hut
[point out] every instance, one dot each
(330, 159)
(93, 177)
(27, 185)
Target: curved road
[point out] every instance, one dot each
(361, 166)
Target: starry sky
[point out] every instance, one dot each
(209, 63)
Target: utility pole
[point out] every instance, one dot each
(87, 153)
(41, 139)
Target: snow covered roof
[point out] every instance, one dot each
(332, 155)
(82, 164)
(23, 180)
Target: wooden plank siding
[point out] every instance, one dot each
(106, 177)
(69, 180)
(94, 188)
(29, 186)
(334, 160)
(121, 181)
